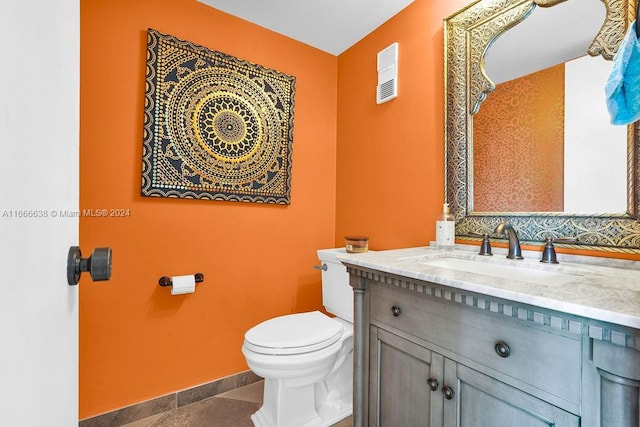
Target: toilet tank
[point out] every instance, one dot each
(337, 295)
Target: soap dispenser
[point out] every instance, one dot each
(445, 228)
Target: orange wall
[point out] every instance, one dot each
(358, 167)
(137, 341)
(390, 158)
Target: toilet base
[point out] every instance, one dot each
(286, 406)
(336, 411)
(299, 410)
(329, 417)
(260, 420)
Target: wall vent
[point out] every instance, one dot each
(387, 88)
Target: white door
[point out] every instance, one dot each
(39, 141)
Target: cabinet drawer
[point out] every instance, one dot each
(544, 360)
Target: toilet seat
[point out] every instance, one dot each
(293, 334)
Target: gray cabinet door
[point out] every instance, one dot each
(483, 401)
(401, 382)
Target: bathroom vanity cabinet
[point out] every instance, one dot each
(432, 351)
(433, 354)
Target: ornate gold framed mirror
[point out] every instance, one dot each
(469, 34)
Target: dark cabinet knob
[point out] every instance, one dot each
(502, 349)
(448, 392)
(433, 384)
(396, 311)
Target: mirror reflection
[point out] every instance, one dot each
(547, 36)
(544, 143)
(542, 140)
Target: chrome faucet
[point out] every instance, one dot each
(514, 243)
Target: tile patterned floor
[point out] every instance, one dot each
(229, 409)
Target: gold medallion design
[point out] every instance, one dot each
(216, 127)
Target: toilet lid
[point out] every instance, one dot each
(293, 334)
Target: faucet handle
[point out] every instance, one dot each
(566, 240)
(549, 252)
(485, 246)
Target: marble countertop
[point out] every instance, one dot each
(598, 288)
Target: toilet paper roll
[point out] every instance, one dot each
(183, 284)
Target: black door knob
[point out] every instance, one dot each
(396, 311)
(433, 384)
(98, 265)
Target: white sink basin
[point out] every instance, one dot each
(521, 273)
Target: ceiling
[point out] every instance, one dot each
(329, 25)
(335, 25)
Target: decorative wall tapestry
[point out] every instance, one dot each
(216, 127)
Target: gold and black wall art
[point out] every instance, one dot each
(215, 127)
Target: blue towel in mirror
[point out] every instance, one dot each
(623, 87)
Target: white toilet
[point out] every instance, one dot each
(306, 359)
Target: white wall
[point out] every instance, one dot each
(595, 150)
(39, 132)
